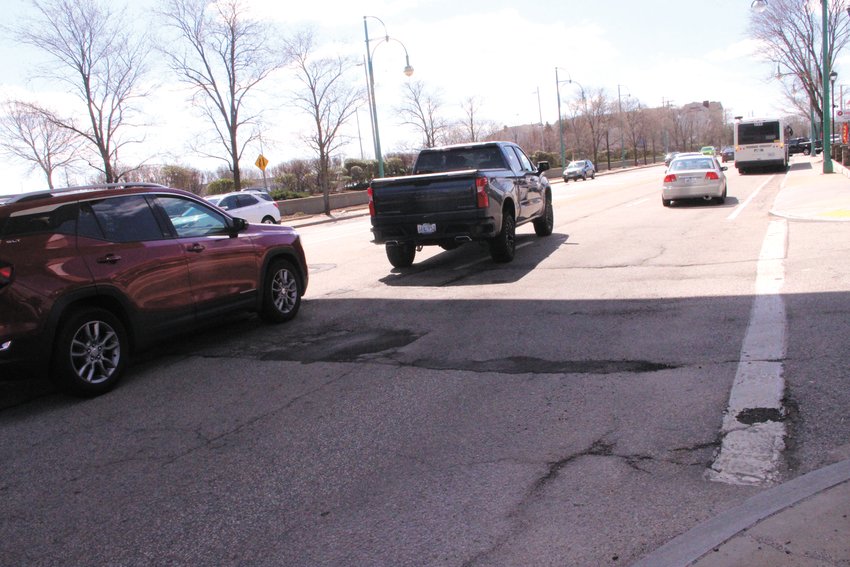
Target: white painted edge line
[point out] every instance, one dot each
(740, 208)
(750, 452)
(690, 546)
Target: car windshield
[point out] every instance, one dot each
(691, 163)
(577, 164)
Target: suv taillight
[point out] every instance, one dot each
(6, 272)
(483, 199)
(371, 201)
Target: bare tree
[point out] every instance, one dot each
(790, 36)
(634, 125)
(29, 134)
(327, 96)
(596, 109)
(102, 62)
(421, 110)
(471, 122)
(223, 55)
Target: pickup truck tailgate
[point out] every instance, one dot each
(437, 194)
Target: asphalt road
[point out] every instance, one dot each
(560, 410)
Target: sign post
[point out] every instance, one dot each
(262, 162)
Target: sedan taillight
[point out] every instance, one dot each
(711, 176)
(670, 178)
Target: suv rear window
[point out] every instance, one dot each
(48, 219)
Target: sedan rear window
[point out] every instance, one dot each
(685, 164)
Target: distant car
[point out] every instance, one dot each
(795, 145)
(708, 151)
(261, 192)
(694, 176)
(580, 169)
(247, 205)
(728, 154)
(669, 157)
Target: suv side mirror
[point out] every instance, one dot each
(542, 166)
(239, 224)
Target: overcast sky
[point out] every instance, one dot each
(504, 53)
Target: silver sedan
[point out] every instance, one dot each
(694, 176)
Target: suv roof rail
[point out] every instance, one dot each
(23, 197)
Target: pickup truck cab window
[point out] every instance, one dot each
(523, 159)
(513, 160)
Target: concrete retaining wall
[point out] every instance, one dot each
(316, 205)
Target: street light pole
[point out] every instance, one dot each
(560, 124)
(827, 137)
(622, 124)
(408, 70)
(832, 76)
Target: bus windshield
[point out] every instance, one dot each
(758, 132)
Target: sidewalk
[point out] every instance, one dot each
(809, 194)
(804, 522)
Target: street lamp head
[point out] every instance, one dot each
(832, 76)
(408, 70)
(759, 5)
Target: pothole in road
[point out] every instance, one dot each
(344, 346)
(750, 416)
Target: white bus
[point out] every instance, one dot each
(761, 144)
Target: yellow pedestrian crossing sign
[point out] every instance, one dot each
(261, 162)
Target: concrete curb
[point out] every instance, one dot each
(695, 543)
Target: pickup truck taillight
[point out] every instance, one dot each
(481, 192)
(5, 275)
(371, 202)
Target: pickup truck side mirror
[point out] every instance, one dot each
(542, 166)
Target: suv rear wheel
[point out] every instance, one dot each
(90, 352)
(281, 292)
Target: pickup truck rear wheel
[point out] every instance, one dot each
(544, 225)
(401, 255)
(503, 245)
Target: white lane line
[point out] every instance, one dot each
(753, 430)
(636, 203)
(740, 208)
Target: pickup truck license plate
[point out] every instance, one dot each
(427, 228)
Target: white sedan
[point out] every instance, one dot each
(694, 176)
(248, 206)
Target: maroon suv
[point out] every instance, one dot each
(90, 274)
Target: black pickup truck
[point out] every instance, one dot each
(458, 194)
